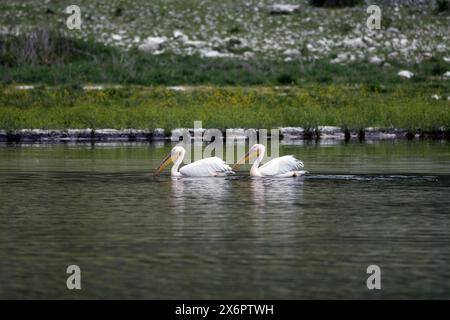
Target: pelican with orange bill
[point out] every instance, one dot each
(286, 166)
(208, 167)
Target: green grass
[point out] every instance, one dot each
(228, 107)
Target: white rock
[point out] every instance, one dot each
(435, 97)
(292, 131)
(116, 37)
(447, 59)
(393, 55)
(158, 134)
(177, 88)
(107, 131)
(180, 133)
(368, 41)
(25, 87)
(354, 43)
(86, 131)
(393, 30)
(446, 75)
(376, 60)
(376, 133)
(284, 8)
(180, 36)
(249, 54)
(403, 42)
(329, 129)
(196, 43)
(93, 87)
(152, 44)
(405, 74)
(240, 134)
(330, 132)
(341, 57)
(158, 52)
(291, 52)
(441, 48)
(206, 53)
(177, 34)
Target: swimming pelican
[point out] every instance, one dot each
(286, 166)
(213, 166)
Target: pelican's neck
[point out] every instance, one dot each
(176, 164)
(254, 171)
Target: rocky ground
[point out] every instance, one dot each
(411, 29)
(287, 135)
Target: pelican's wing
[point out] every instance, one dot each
(213, 166)
(280, 165)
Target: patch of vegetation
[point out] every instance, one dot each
(334, 3)
(52, 59)
(443, 6)
(39, 47)
(228, 107)
(285, 79)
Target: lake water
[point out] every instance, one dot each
(135, 235)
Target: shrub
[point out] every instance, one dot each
(39, 47)
(443, 5)
(334, 3)
(285, 79)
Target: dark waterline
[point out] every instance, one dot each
(135, 235)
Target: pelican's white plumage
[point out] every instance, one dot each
(213, 166)
(286, 166)
(208, 167)
(281, 165)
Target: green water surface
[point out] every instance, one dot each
(135, 235)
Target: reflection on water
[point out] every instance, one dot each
(202, 193)
(136, 235)
(266, 192)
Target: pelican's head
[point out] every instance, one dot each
(256, 150)
(173, 155)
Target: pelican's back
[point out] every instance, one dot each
(206, 167)
(280, 165)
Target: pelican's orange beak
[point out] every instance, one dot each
(250, 154)
(164, 163)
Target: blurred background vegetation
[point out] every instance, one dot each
(321, 46)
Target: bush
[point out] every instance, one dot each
(285, 79)
(443, 5)
(334, 3)
(39, 47)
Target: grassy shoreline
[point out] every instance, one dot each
(137, 107)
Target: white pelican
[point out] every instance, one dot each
(213, 166)
(286, 166)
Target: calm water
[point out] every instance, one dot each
(139, 236)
